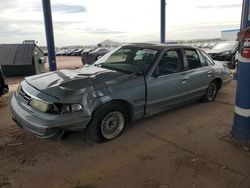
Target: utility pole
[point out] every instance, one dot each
(241, 124)
(49, 34)
(163, 21)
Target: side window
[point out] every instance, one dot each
(192, 58)
(207, 59)
(170, 63)
(204, 63)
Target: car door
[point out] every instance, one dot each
(199, 73)
(166, 87)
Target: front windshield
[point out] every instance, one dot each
(129, 59)
(225, 46)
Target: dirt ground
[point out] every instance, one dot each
(187, 147)
(67, 62)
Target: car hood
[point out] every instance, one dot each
(67, 82)
(220, 64)
(213, 51)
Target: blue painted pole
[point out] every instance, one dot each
(49, 34)
(163, 21)
(241, 124)
(244, 16)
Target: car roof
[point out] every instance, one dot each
(159, 46)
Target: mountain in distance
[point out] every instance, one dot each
(109, 43)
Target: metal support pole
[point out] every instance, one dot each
(241, 124)
(244, 16)
(49, 34)
(163, 21)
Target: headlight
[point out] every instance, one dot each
(223, 56)
(225, 53)
(39, 105)
(58, 108)
(55, 108)
(76, 107)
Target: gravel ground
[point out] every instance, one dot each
(186, 147)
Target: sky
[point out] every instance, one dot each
(85, 22)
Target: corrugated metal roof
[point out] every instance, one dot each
(7, 54)
(24, 54)
(16, 54)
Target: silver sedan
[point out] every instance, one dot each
(128, 83)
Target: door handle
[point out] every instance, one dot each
(209, 73)
(185, 78)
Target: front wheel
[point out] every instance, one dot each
(108, 122)
(211, 92)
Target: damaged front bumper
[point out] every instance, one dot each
(45, 125)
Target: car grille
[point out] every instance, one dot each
(24, 95)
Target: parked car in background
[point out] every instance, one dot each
(77, 52)
(3, 87)
(61, 52)
(128, 83)
(211, 45)
(225, 51)
(68, 53)
(64, 52)
(205, 45)
(84, 55)
(196, 45)
(89, 57)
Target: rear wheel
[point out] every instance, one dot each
(108, 122)
(211, 92)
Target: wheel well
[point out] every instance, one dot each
(124, 103)
(218, 82)
(128, 106)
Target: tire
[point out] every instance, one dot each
(108, 122)
(211, 92)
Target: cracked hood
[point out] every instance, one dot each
(63, 82)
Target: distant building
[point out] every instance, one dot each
(229, 34)
(29, 42)
(21, 59)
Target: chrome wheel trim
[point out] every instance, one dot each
(112, 125)
(211, 91)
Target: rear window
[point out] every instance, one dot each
(192, 58)
(207, 58)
